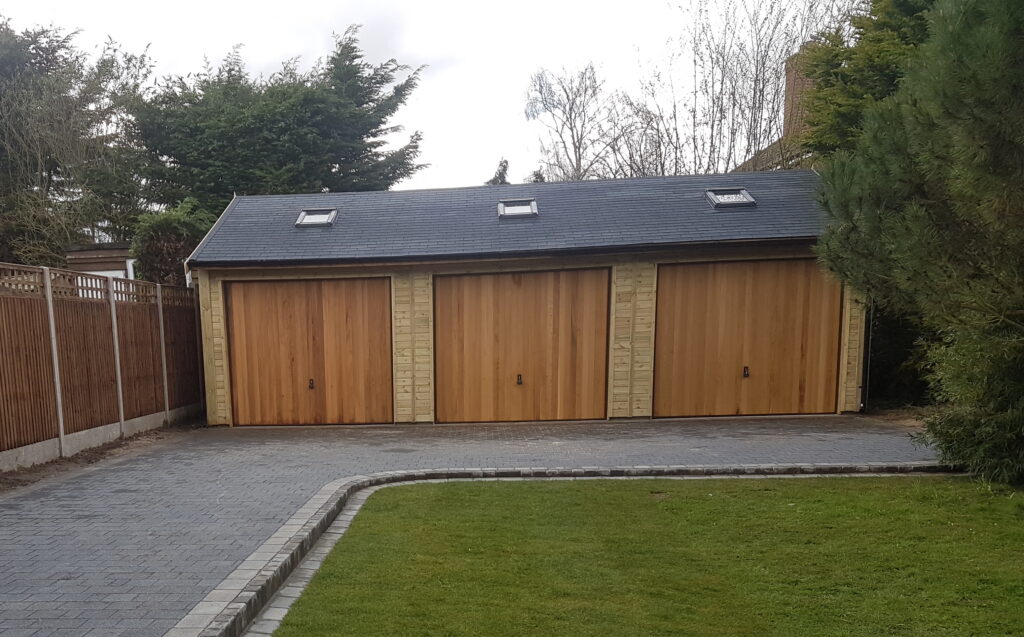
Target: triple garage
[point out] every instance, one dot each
(731, 338)
(660, 297)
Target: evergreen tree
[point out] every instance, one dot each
(852, 67)
(928, 219)
(500, 177)
(225, 132)
(856, 65)
(164, 240)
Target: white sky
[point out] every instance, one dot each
(479, 55)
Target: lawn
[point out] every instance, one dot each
(822, 556)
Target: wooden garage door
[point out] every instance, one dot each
(310, 352)
(521, 346)
(778, 320)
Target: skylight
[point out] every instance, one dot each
(517, 208)
(729, 197)
(316, 217)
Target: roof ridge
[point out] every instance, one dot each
(543, 184)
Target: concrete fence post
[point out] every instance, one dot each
(117, 355)
(199, 349)
(48, 288)
(163, 350)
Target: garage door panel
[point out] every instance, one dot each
(581, 337)
(271, 318)
(822, 363)
(779, 319)
(697, 341)
(550, 328)
(357, 384)
(335, 333)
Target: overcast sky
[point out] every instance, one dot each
(479, 55)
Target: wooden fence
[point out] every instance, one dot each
(81, 353)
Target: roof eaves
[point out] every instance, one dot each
(614, 249)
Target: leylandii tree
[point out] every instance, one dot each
(855, 64)
(224, 131)
(928, 218)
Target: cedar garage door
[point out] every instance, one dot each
(521, 346)
(750, 337)
(310, 352)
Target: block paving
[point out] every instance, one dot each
(132, 544)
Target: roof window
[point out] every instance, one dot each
(729, 197)
(316, 217)
(517, 208)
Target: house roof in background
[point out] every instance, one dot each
(463, 222)
(114, 246)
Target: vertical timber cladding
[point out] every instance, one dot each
(521, 346)
(310, 352)
(746, 337)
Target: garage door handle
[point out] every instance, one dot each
(519, 379)
(312, 385)
(746, 372)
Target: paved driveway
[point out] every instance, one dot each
(130, 544)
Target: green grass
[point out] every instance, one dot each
(833, 556)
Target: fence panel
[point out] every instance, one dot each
(182, 347)
(138, 326)
(85, 350)
(28, 409)
(87, 363)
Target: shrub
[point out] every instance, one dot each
(163, 241)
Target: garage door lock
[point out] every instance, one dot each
(746, 372)
(519, 379)
(312, 385)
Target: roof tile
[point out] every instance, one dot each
(453, 222)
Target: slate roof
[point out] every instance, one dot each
(600, 215)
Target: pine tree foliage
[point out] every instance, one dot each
(853, 66)
(928, 218)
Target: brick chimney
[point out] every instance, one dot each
(794, 113)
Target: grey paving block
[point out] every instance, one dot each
(143, 537)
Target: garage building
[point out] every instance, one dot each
(657, 297)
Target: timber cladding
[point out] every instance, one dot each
(521, 346)
(747, 337)
(434, 304)
(311, 352)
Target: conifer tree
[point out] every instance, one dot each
(500, 177)
(225, 132)
(855, 65)
(927, 217)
